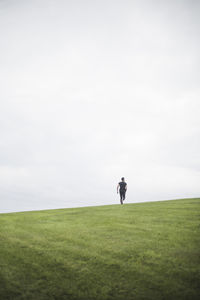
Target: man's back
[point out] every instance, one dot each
(122, 185)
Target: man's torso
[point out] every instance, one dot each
(122, 185)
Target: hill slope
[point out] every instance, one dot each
(134, 251)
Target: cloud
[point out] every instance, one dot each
(92, 91)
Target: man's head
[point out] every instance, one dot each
(122, 178)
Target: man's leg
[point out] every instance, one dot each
(121, 197)
(124, 195)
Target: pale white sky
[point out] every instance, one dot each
(95, 90)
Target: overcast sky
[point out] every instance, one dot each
(95, 90)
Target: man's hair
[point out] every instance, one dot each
(122, 178)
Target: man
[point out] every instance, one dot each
(122, 188)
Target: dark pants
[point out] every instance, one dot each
(122, 195)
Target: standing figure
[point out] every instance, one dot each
(122, 188)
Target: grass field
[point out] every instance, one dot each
(135, 251)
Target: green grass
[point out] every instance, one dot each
(135, 251)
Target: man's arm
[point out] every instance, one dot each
(117, 188)
(126, 187)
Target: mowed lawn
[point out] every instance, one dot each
(135, 251)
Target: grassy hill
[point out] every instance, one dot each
(135, 251)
